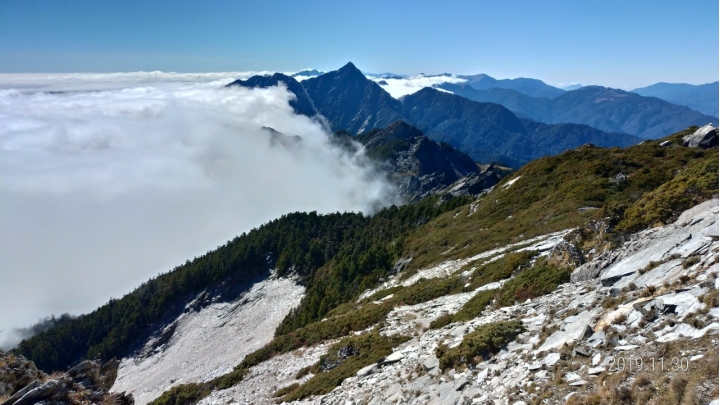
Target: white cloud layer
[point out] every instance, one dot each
(100, 190)
(402, 87)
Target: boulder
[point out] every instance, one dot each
(52, 390)
(551, 359)
(536, 365)
(571, 377)
(596, 370)
(15, 397)
(705, 137)
(367, 370)
(580, 351)
(393, 358)
(461, 382)
(430, 363)
(596, 339)
(575, 328)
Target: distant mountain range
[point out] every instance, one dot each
(703, 97)
(308, 72)
(385, 75)
(604, 108)
(488, 132)
(530, 87)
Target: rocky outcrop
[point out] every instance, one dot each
(88, 382)
(421, 166)
(705, 137)
(302, 104)
(654, 255)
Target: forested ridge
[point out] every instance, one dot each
(335, 256)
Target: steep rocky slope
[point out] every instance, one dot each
(208, 339)
(302, 104)
(421, 166)
(579, 342)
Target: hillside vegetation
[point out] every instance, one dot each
(336, 256)
(626, 188)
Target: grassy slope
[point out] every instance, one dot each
(549, 192)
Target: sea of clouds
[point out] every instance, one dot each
(109, 179)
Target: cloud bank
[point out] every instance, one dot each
(402, 87)
(107, 180)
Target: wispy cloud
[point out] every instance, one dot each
(100, 190)
(401, 87)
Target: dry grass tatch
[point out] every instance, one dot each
(697, 385)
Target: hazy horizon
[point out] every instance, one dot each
(611, 43)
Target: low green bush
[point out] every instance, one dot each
(502, 268)
(442, 321)
(540, 279)
(184, 394)
(479, 344)
(475, 306)
(364, 350)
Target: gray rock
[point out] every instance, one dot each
(535, 365)
(626, 347)
(596, 370)
(393, 358)
(575, 328)
(53, 389)
(580, 351)
(430, 363)
(13, 399)
(596, 339)
(448, 394)
(578, 383)
(665, 144)
(705, 137)
(461, 382)
(482, 375)
(367, 370)
(572, 376)
(551, 359)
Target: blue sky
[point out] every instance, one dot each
(623, 44)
